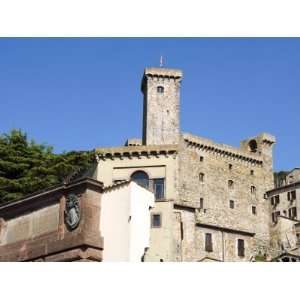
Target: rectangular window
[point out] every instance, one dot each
(181, 230)
(275, 216)
(201, 158)
(272, 200)
(277, 199)
(294, 209)
(201, 203)
(252, 172)
(159, 188)
(241, 248)
(156, 220)
(293, 213)
(254, 210)
(230, 166)
(293, 195)
(208, 242)
(231, 204)
(289, 196)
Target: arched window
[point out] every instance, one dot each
(253, 146)
(253, 189)
(160, 89)
(141, 178)
(230, 184)
(201, 177)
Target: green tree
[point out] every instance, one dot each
(27, 167)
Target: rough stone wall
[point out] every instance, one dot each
(224, 246)
(184, 234)
(255, 171)
(161, 110)
(283, 236)
(161, 239)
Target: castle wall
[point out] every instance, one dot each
(218, 168)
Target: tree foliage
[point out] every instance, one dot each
(27, 167)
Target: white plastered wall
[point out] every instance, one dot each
(125, 222)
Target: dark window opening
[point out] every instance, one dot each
(253, 189)
(285, 259)
(275, 216)
(156, 220)
(141, 178)
(208, 242)
(241, 248)
(201, 203)
(231, 204)
(230, 184)
(230, 166)
(254, 210)
(160, 89)
(252, 172)
(253, 146)
(181, 230)
(161, 260)
(293, 213)
(201, 177)
(201, 158)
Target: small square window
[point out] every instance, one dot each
(254, 210)
(230, 166)
(201, 158)
(231, 204)
(252, 172)
(160, 89)
(156, 220)
(253, 189)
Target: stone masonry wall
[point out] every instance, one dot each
(218, 169)
(161, 110)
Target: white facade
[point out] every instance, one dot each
(125, 222)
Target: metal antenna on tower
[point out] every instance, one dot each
(161, 61)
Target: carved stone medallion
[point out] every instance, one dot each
(72, 211)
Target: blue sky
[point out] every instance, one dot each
(77, 94)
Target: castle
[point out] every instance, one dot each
(210, 198)
(213, 202)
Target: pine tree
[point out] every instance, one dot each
(27, 167)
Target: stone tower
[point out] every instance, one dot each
(161, 89)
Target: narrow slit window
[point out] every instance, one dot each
(241, 248)
(230, 184)
(208, 242)
(201, 177)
